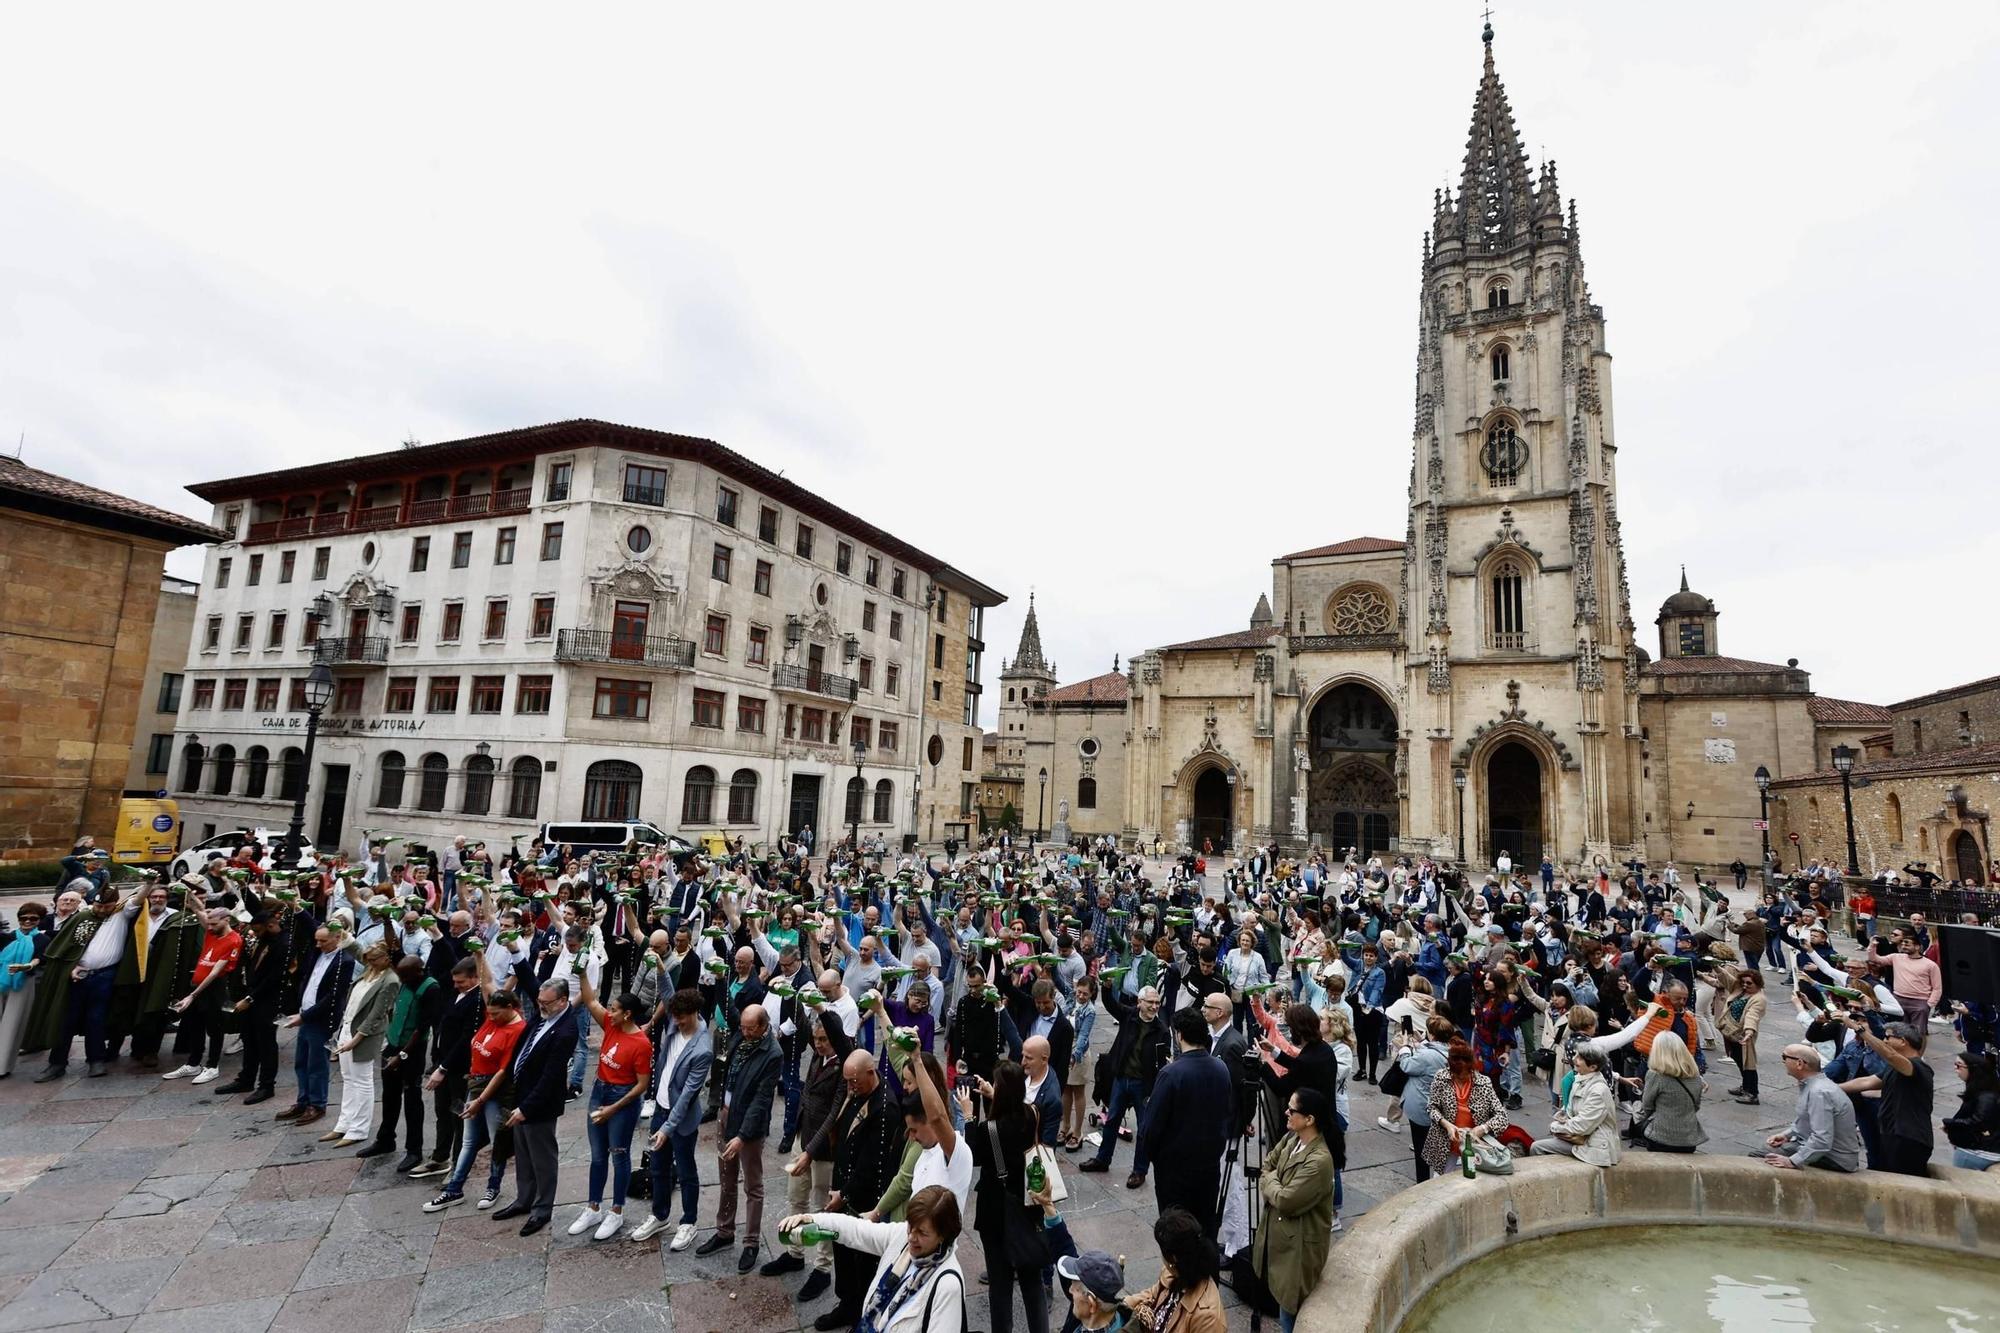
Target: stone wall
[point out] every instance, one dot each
(73, 642)
(1412, 1241)
(1934, 721)
(1898, 819)
(1705, 751)
(173, 630)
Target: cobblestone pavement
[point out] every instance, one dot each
(128, 1202)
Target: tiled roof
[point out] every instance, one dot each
(1977, 758)
(32, 488)
(990, 738)
(1352, 546)
(1970, 687)
(1242, 638)
(1710, 666)
(1110, 688)
(1846, 712)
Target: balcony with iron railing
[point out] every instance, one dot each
(406, 513)
(620, 649)
(352, 650)
(812, 680)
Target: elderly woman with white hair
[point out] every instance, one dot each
(1587, 1126)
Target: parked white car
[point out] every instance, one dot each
(193, 858)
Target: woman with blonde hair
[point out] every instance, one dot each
(358, 1043)
(1337, 1027)
(1670, 1105)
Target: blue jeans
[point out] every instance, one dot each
(1969, 1161)
(450, 892)
(1510, 1073)
(1124, 1092)
(1774, 953)
(677, 1159)
(1286, 1318)
(481, 1130)
(310, 1063)
(611, 1143)
(581, 1057)
(794, 1089)
(88, 1008)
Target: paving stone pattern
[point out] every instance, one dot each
(132, 1203)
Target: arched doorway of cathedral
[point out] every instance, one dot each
(1210, 821)
(1965, 858)
(1514, 804)
(1351, 793)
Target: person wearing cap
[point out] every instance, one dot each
(79, 968)
(1092, 1280)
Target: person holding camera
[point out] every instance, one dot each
(1907, 1085)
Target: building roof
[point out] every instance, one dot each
(990, 738)
(577, 433)
(1950, 692)
(30, 488)
(1256, 637)
(1964, 758)
(1352, 546)
(1846, 712)
(1685, 603)
(1110, 688)
(1711, 666)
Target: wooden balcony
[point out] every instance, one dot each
(412, 513)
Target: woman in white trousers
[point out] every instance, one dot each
(358, 1043)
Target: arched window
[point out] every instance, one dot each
(1496, 296)
(611, 790)
(857, 792)
(524, 800)
(389, 785)
(191, 758)
(698, 796)
(1894, 812)
(885, 800)
(223, 776)
(1086, 793)
(1499, 360)
(436, 776)
(1509, 624)
(743, 796)
(291, 774)
(1504, 458)
(478, 785)
(259, 761)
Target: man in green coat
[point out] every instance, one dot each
(76, 973)
(158, 969)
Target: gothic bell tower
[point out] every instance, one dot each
(1521, 674)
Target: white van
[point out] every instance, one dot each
(634, 835)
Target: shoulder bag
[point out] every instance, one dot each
(1027, 1242)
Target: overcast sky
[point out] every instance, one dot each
(1117, 302)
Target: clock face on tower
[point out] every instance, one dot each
(1504, 456)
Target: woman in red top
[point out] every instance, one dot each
(624, 1067)
(489, 1092)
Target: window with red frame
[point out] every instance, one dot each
(627, 699)
(444, 695)
(488, 694)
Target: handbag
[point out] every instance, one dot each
(1393, 1080)
(1490, 1157)
(1026, 1241)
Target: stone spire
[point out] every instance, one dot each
(1260, 616)
(1495, 198)
(1028, 657)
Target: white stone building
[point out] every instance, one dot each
(580, 620)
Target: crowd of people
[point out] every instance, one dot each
(926, 1040)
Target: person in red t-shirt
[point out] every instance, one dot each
(201, 1009)
(624, 1065)
(489, 1092)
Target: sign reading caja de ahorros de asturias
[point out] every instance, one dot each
(351, 724)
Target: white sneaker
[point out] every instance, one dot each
(613, 1224)
(585, 1220)
(649, 1228)
(683, 1237)
(1385, 1122)
(185, 1071)
(234, 1046)
(208, 1076)
(1337, 1225)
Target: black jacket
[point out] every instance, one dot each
(456, 1027)
(824, 1087)
(1152, 1039)
(541, 1080)
(753, 1077)
(868, 1149)
(330, 1006)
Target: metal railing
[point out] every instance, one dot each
(443, 509)
(807, 680)
(600, 645)
(351, 650)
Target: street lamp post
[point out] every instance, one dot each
(1041, 807)
(1843, 759)
(860, 795)
(319, 689)
(1763, 776)
(1458, 781)
(1230, 778)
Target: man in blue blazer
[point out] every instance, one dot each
(679, 1075)
(541, 1091)
(1188, 1123)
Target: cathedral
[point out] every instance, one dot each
(1479, 686)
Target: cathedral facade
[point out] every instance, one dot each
(1478, 686)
